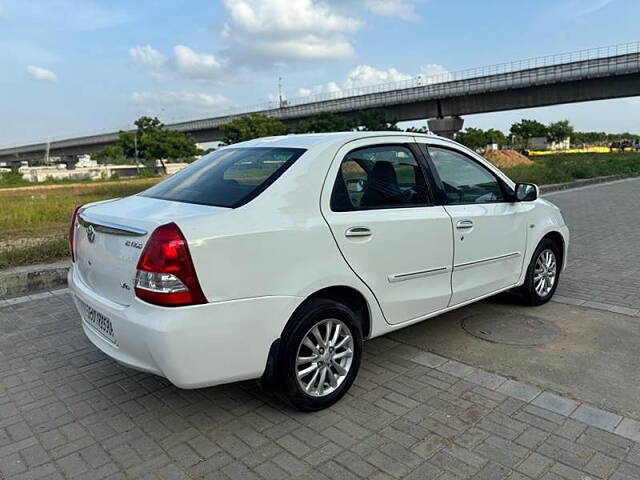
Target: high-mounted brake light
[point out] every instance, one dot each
(165, 273)
(72, 233)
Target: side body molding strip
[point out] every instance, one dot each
(484, 261)
(399, 277)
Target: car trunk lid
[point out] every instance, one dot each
(110, 237)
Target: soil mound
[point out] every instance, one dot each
(505, 158)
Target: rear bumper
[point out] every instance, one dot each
(195, 346)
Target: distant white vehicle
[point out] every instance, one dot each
(275, 258)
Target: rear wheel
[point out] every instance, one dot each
(543, 274)
(320, 354)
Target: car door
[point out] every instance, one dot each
(489, 229)
(382, 216)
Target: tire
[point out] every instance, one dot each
(338, 359)
(545, 264)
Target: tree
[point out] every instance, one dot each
(150, 141)
(375, 120)
(523, 131)
(326, 122)
(476, 138)
(251, 126)
(110, 153)
(558, 131)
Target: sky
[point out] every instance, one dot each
(77, 67)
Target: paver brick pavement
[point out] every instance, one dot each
(604, 265)
(68, 411)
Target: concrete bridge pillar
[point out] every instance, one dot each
(445, 127)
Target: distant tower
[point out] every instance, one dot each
(280, 103)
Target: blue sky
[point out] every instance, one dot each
(73, 67)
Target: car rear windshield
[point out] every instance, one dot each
(229, 177)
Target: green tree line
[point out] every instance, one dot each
(151, 140)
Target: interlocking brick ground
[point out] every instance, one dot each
(68, 411)
(604, 265)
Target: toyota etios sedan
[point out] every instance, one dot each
(276, 258)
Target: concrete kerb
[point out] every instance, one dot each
(33, 278)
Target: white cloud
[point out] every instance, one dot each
(433, 73)
(361, 76)
(185, 63)
(366, 75)
(148, 56)
(270, 31)
(396, 8)
(202, 66)
(42, 74)
(181, 101)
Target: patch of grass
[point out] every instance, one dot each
(45, 252)
(42, 211)
(563, 168)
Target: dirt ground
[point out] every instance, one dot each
(505, 158)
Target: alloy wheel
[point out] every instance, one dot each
(544, 273)
(324, 357)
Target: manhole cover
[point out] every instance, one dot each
(510, 329)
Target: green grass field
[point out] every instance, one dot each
(34, 220)
(563, 168)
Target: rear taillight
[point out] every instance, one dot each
(72, 233)
(165, 273)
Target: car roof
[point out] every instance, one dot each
(308, 140)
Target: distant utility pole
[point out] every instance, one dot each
(46, 152)
(280, 92)
(135, 148)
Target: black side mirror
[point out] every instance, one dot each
(526, 192)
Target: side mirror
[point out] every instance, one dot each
(356, 185)
(527, 192)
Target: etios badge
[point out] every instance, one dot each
(91, 233)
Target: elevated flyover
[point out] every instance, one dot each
(594, 74)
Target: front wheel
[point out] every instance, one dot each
(320, 354)
(543, 274)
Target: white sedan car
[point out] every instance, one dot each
(275, 258)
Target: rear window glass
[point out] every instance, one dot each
(229, 177)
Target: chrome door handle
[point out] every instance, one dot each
(357, 232)
(464, 224)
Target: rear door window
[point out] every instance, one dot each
(229, 177)
(379, 177)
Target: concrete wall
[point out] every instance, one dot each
(40, 174)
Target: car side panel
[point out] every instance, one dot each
(276, 245)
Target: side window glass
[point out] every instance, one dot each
(379, 177)
(465, 181)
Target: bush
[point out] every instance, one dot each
(12, 179)
(575, 166)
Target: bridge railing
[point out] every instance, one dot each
(571, 65)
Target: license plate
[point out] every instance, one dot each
(98, 321)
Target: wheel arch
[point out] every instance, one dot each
(344, 294)
(348, 296)
(557, 238)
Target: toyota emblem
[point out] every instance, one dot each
(91, 233)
